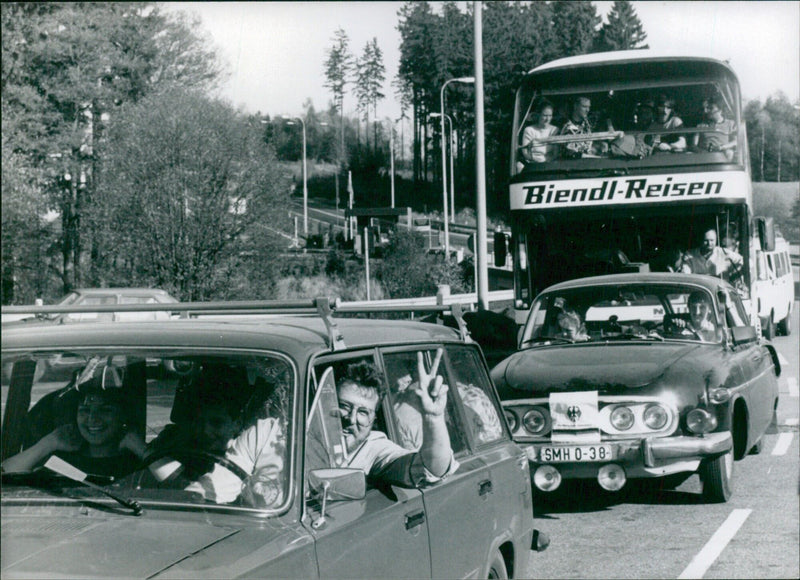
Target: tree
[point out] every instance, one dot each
(574, 27)
(338, 68)
(623, 31)
(66, 69)
(408, 271)
(190, 192)
(773, 130)
(370, 75)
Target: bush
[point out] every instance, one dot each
(408, 271)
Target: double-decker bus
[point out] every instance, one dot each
(623, 188)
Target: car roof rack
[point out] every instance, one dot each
(324, 307)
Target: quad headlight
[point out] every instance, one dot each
(535, 421)
(511, 419)
(655, 417)
(622, 418)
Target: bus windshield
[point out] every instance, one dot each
(626, 118)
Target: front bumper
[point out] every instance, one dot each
(642, 458)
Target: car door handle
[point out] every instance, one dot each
(415, 519)
(485, 487)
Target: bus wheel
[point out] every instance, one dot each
(785, 325)
(769, 328)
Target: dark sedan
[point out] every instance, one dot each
(637, 376)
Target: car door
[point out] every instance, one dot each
(756, 382)
(383, 534)
(471, 508)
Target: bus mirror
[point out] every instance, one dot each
(766, 233)
(500, 249)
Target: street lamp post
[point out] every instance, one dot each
(305, 175)
(452, 173)
(391, 154)
(444, 160)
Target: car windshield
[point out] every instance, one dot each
(623, 312)
(151, 425)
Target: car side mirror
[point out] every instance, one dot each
(336, 484)
(743, 334)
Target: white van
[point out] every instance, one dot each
(775, 289)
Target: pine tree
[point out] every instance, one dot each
(574, 27)
(370, 75)
(338, 67)
(624, 30)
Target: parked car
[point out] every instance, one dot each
(308, 516)
(89, 297)
(101, 297)
(637, 376)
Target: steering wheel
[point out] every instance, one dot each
(673, 329)
(197, 454)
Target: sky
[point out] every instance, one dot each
(276, 51)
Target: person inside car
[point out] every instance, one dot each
(360, 392)
(98, 442)
(700, 322)
(214, 422)
(712, 259)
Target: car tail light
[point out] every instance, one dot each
(700, 421)
(622, 418)
(511, 419)
(536, 421)
(655, 417)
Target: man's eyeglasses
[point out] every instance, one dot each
(363, 415)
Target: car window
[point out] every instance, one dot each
(401, 369)
(193, 412)
(92, 316)
(475, 391)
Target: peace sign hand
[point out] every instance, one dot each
(430, 387)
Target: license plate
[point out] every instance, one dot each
(575, 453)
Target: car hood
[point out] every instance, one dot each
(94, 545)
(607, 367)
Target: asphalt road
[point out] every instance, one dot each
(673, 534)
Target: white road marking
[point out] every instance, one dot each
(711, 551)
(782, 446)
(792, 421)
(782, 359)
(791, 384)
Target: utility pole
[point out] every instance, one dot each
(480, 163)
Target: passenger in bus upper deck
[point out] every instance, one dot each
(578, 124)
(723, 136)
(666, 119)
(532, 149)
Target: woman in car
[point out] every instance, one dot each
(97, 443)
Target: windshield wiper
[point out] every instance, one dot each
(61, 467)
